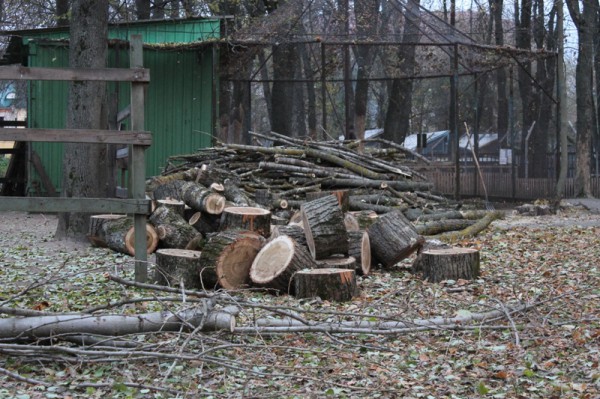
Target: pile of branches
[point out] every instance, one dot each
(279, 172)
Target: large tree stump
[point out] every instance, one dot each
(324, 227)
(202, 199)
(226, 259)
(117, 233)
(176, 267)
(293, 231)
(172, 229)
(247, 218)
(277, 262)
(327, 284)
(359, 247)
(448, 264)
(393, 238)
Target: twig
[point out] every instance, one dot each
(19, 377)
(510, 319)
(127, 384)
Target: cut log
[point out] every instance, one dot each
(277, 262)
(338, 262)
(342, 197)
(448, 264)
(296, 219)
(262, 196)
(324, 227)
(234, 194)
(217, 187)
(293, 231)
(226, 259)
(178, 267)
(350, 222)
(248, 219)
(202, 199)
(117, 233)
(393, 238)
(359, 247)
(327, 284)
(172, 229)
(175, 205)
(205, 223)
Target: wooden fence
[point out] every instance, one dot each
(137, 139)
(500, 183)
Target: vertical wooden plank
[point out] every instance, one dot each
(137, 164)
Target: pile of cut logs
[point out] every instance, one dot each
(303, 218)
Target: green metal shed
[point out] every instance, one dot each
(180, 103)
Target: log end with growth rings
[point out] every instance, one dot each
(151, 240)
(272, 260)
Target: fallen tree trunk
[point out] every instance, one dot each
(472, 230)
(25, 328)
(440, 226)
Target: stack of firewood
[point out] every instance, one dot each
(236, 215)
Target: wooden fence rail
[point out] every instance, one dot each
(137, 138)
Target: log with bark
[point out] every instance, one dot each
(393, 238)
(441, 226)
(202, 199)
(247, 218)
(177, 267)
(448, 264)
(175, 205)
(342, 197)
(277, 262)
(324, 227)
(36, 327)
(293, 231)
(328, 284)
(359, 247)
(117, 233)
(205, 223)
(173, 231)
(338, 262)
(226, 259)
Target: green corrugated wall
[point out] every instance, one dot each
(179, 103)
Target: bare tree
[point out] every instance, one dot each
(86, 172)
(496, 8)
(586, 22)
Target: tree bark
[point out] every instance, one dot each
(117, 233)
(359, 247)
(293, 231)
(173, 230)
(202, 199)
(86, 172)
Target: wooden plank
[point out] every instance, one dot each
(63, 204)
(138, 137)
(137, 172)
(19, 72)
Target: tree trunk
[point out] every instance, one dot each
(86, 172)
(496, 8)
(177, 268)
(62, 13)
(323, 222)
(226, 259)
(328, 284)
(448, 264)
(142, 8)
(257, 220)
(397, 120)
(586, 28)
(277, 262)
(393, 238)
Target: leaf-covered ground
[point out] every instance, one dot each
(550, 350)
